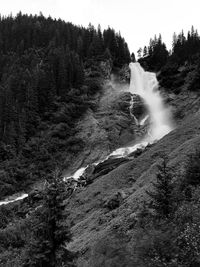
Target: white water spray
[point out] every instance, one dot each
(145, 85)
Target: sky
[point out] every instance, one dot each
(137, 20)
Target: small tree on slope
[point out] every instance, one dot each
(50, 231)
(163, 193)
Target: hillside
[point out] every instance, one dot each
(95, 221)
(104, 213)
(65, 105)
(52, 72)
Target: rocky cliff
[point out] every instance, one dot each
(110, 125)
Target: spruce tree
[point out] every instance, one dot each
(50, 229)
(163, 200)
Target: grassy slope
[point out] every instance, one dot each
(93, 222)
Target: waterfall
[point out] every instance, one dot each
(130, 110)
(145, 85)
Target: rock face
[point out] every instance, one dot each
(110, 126)
(103, 168)
(139, 108)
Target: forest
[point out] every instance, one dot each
(51, 73)
(185, 52)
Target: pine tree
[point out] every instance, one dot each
(139, 52)
(50, 229)
(174, 40)
(133, 57)
(145, 51)
(163, 200)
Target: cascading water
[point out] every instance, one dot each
(131, 114)
(5, 202)
(145, 85)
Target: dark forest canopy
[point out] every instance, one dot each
(178, 69)
(183, 48)
(17, 34)
(50, 71)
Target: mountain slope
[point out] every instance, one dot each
(94, 220)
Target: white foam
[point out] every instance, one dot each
(142, 122)
(77, 174)
(145, 84)
(125, 151)
(5, 202)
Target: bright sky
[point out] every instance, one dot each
(137, 20)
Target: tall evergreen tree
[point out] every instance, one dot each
(163, 200)
(50, 229)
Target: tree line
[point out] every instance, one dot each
(177, 68)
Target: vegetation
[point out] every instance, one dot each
(155, 55)
(50, 73)
(39, 238)
(171, 224)
(178, 69)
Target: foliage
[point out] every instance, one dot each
(37, 235)
(177, 69)
(155, 56)
(172, 240)
(49, 229)
(50, 72)
(163, 199)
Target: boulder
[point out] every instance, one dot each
(108, 165)
(139, 108)
(113, 201)
(94, 171)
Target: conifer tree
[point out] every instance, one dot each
(145, 51)
(50, 229)
(139, 52)
(163, 200)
